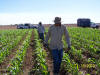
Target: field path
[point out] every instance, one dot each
(28, 61)
(49, 61)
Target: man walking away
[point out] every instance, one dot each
(41, 31)
(55, 34)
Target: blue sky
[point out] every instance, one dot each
(33, 11)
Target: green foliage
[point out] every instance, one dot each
(41, 66)
(16, 62)
(8, 40)
(70, 65)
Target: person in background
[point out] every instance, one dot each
(41, 31)
(55, 34)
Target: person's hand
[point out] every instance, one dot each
(66, 51)
(45, 45)
(68, 48)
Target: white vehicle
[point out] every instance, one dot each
(94, 25)
(25, 26)
(33, 26)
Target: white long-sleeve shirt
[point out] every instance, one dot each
(41, 29)
(55, 33)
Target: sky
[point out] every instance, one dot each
(34, 11)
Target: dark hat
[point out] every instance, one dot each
(57, 20)
(40, 23)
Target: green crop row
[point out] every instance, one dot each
(85, 40)
(16, 63)
(40, 68)
(9, 42)
(69, 65)
(9, 36)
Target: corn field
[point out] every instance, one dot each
(82, 59)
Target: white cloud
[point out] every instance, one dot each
(47, 18)
(23, 18)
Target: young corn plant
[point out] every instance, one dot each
(16, 63)
(70, 65)
(40, 68)
(9, 42)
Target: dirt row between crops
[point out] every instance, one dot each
(29, 62)
(29, 59)
(2, 27)
(6, 62)
(49, 61)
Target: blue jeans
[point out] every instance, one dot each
(41, 36)
(57, 59)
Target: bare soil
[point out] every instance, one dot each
(2, 27)
(49, 61)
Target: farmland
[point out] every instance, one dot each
(23, 53)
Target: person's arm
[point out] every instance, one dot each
(67, 38)
(47, 37)
(38, 28)
(44, 29)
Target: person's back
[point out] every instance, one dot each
(56, 33)
(41, 31)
